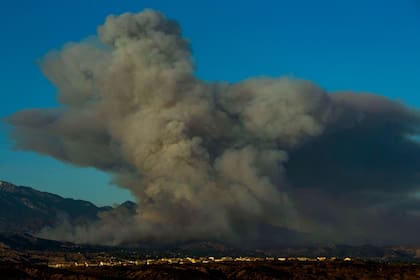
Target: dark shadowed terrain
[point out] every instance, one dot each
(26, 257)
(231, 270)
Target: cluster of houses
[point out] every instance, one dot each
(190, 260)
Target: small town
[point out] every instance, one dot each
(191, 260)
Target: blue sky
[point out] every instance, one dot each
(370, 45)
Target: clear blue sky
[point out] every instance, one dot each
(359, 45)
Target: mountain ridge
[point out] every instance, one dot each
(25, 209)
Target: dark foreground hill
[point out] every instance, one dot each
(228, 270)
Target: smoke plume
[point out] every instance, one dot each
(219, 160)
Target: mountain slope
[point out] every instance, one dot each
(23, 209)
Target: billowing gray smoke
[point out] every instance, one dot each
(224, 161)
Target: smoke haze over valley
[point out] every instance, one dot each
(238, 162)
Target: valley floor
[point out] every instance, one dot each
(225, 270)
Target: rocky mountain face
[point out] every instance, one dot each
(24, 209)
